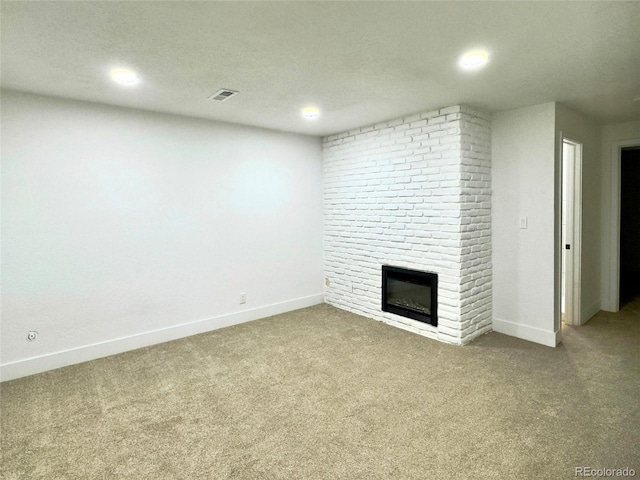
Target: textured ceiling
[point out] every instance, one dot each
(359, 62)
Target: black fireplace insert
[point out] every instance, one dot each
(410, 293)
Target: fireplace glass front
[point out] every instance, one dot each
(410, 293)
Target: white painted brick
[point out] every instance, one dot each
(414, 130)
(431, 114)
(412, 118)
(438, 119)
(452, 109)
(413, 192)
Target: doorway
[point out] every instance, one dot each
(615, 230)
(629, 225)
(571, 230)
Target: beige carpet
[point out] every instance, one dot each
(324, 394)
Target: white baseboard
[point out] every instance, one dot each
(590, 311)
(525, 332)
(51, 361)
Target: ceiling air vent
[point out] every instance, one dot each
(223, 95)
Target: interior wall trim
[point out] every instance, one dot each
(64, 358)
(525, 332)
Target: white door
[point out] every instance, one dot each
(571, 230)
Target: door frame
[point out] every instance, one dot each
(574, 205)
(614, 218)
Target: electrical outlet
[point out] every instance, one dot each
(327, 282)
(243, 298)
(523, 222)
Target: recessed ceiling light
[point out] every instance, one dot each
(473, 60)
(310, 113)
(125, 77)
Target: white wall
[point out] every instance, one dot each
(576, 127)
(523, 179)
(611, 134)
(123, 228)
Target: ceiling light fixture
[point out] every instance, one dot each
(474, 60)
(310, 113)
(125, 77)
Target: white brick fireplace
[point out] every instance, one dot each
(412, 192)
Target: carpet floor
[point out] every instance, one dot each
(320, 393)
